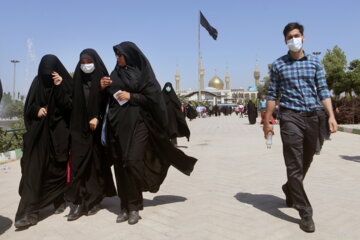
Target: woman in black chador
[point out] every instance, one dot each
(191, 112)
(177, 126)
(46, 142)
(252, 112)
(90, 174)
(136, 124)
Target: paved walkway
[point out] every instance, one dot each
(234, 193)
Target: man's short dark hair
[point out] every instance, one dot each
(292, 26)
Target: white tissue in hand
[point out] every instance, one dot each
(121, 102)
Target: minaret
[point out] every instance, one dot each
(227, 80)
(257, 74)
(177, 79)
(202, 74)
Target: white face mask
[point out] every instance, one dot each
(168, 89)
(294, 44)
(87, 68)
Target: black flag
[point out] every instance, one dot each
(212, 31)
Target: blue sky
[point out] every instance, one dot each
(167, 32)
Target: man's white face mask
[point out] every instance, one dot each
(294, 44)
(87, 68)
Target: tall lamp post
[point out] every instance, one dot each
(14, 62)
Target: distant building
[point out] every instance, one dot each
(215, 92)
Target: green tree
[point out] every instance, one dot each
(335, 64)
(338, 79)
(355, 65)
(353, 76)
(11, 108)
(262, 89)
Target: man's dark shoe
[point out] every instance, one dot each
(123, 216)
(288, 200)
(27, 221)
(307, 224)
(94, 210)
(133, 217)
(75, 213)
(60, 209)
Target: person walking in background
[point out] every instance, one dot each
(190, 111)
(262, 104)
(252, 112)
(241, 110)
(177, 126)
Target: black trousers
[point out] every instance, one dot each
(129, 173)
(299, 134)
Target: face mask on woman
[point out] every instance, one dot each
(87, 68)
(168, 89)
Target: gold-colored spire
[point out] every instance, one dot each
(227, 79)
(257, 74)
(177, 78)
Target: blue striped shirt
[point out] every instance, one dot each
(300, 84)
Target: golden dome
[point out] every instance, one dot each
(216, 82)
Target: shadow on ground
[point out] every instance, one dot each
(5, 224)
(266, 203)
(113, 204)
(351, 158)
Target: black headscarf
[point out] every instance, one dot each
(87, 106)
(171, 96)
(46, 142)
(49, 64)
(144, 82)
(177, 126)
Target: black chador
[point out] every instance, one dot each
(137, 140)
(252, 112)
(90, 173)
(46, 142)
(177, 126)
(191, 112)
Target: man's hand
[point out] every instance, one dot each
(333, 126)
(270, 107)
(267, 128)
(93, 123)
(329, 110)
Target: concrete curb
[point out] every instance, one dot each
(349, 130)
(10, 156)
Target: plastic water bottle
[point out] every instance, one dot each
(269, 140)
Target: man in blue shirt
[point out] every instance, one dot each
(262, 104)
(298, 80)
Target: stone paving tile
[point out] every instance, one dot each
(234, 193)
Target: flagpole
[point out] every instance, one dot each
(199, 59)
